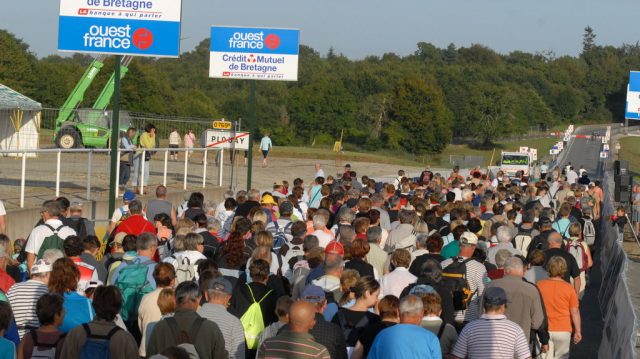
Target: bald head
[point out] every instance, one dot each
(302, 317)
(555, 240)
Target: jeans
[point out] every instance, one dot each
(137, 164)
(559, 344)
(125, 174)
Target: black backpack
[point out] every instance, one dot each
(78, 224)
(454, 277)
(351, 331)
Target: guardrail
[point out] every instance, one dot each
(619, 335)
(59, 154)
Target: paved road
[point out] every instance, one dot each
(586, 152)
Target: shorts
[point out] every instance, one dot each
(173, 152)
(265, 153)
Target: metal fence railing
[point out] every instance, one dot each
(85, 172)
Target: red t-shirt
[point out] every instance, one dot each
(6, 281)
(135, 225)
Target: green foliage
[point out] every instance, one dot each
(414, 103)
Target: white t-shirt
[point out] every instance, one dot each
(194, 257)
(3, 211)
(119, 212)
(39, 233)
(323, 238)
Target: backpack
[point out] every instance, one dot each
(185, 270)
(522, 241)
(48, 351)
(454, 276)
(184, 337)
(133, 284)
(123, 215)
(295, 252)
(252, 321)
(97, 346)
(589, 232)
(575, 248)
(78, 225)
(51, 242)
(350, 331)
(280, 237)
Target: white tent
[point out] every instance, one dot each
(19, 122)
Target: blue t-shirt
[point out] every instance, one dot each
(78, 310)
(405, 341)
(7, 349)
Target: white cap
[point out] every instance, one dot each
(469, 238)
(41, 266)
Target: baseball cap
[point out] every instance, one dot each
(422, 290)
(118, 238)
(221, 284)
(268, 199)
(334, 248)
(352, 202)
(313, 294)
(41, 266)
(129, 196)
(495, 296)
(469, 238)
(286, 207)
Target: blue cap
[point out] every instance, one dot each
(422, 290)
(495, 296)
(129, 196)
(313, 294)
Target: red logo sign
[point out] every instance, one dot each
(272, 41)
(142, 38)
(226, 73)
(83, 11)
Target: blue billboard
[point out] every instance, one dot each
(254, 53)
(120, 27)
(632, 109)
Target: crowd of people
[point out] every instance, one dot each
(436, 266)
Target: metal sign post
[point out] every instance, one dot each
(115, 125)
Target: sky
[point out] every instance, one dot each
(358, 28)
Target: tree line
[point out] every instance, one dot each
(414, 103)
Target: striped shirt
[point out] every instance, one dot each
(23, 298)
(476, 278)
(230, 327)
(292, 345)
(492, 337)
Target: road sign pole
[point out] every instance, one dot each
(115, 124)
(252, 124)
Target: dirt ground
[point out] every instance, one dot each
(75, 175)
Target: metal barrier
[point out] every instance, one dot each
(77, 163)
(619, 335)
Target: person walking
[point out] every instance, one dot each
(127, 156)
(265, 147)
(147, 144)
(563, 312)
(189, 141)
(174, 142)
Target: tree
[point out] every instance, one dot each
(418, 114)
(588, 40)
(17, 64)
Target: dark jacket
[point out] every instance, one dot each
(244, 208)
(208, 341)
(363, 268)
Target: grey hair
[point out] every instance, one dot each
(346, 215)
(192, 240)
(310, 242)
(254, 195)
(503, 234)
(145, 240)
(346, 234)
(374, 234)
(421, 227)
(52, 254)
(228, 194)
(187, 291)
(411, 304)
(319, 221)
(52, 207)
(501, 257)
(406, 216)
(178, 243)
(421, 240)
(213, 224)
(513, 264)
(135, 207)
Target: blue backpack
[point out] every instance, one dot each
(97, 346)
(133, 284)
